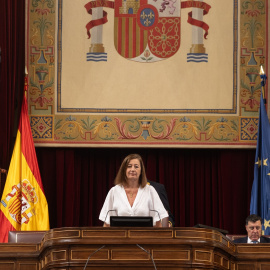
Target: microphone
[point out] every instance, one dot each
(148, 253)
(157, 212)
(108, 213)
(91, 255)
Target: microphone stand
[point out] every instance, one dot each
(92, 255)
(158, 214)
(108, 213)
(149, 254)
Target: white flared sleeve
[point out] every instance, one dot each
(160, 211)
(107, 208)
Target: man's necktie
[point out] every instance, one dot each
(254, 242)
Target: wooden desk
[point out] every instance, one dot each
(171, 248)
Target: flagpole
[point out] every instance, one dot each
(26, 82)
(263, 82)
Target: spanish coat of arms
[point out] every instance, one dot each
(147, 30)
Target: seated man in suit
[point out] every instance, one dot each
(254, 231)
(163, 197)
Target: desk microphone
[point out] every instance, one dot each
(91, 256)
(157, 212)
(148, 253)
(108, 213)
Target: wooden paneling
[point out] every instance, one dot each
(134, 248)
(5, 265)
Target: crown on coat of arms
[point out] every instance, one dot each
(29, 191)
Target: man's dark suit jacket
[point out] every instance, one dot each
(245, 239)
(164, 198)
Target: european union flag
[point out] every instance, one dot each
(260, 194)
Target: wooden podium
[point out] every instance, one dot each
(170, 248)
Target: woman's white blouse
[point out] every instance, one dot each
(147, 199)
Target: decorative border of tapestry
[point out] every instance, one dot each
(146, 73)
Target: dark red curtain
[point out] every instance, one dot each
(205, 186)
(12, 67)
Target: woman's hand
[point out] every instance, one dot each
(158, 224)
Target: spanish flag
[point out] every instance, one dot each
(23, 205)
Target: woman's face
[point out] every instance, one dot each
(133, 171)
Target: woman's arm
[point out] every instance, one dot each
(106, 225)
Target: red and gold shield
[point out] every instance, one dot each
(147, 30)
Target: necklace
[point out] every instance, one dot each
(130, 193)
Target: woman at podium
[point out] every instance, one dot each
(131, 195)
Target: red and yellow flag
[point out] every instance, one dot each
(23, 205)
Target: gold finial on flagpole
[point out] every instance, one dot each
(261, 70)
(263, 81)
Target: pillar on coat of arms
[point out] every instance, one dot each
(96, 32)
(197, 32)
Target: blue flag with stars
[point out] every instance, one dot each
(260, 194)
